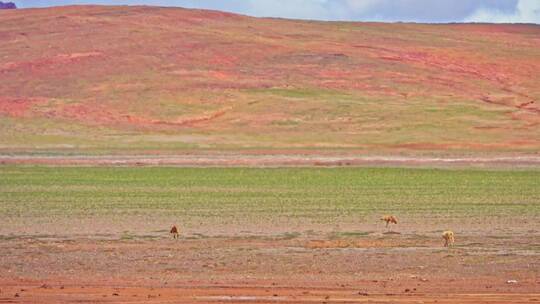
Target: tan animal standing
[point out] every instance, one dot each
(389, 219)
(448, 237)
(174, 232)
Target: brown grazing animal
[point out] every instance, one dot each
(448, 237)
(174, 232)
(389, 219)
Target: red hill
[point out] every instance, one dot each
(92, 78)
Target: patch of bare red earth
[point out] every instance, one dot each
(46, 293)
(267, 270)
(46, 62)
(19, 107)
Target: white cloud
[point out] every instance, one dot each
(307, 9)
(301, 9)
(527, 11)
(360, 5)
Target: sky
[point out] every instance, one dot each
(438, 11)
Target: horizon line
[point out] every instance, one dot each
(265, 17)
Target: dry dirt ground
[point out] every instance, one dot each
(296, 158)
(314, 266)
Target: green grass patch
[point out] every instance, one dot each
(320, 195)
(349, 234)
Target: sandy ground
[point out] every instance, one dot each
(265, 160)
(383, 266)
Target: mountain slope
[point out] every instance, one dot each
(93, 78)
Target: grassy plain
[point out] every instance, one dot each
(225, 196)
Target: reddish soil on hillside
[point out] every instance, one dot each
(259, 82)
(19, 107)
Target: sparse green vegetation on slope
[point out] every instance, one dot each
(91, 78)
